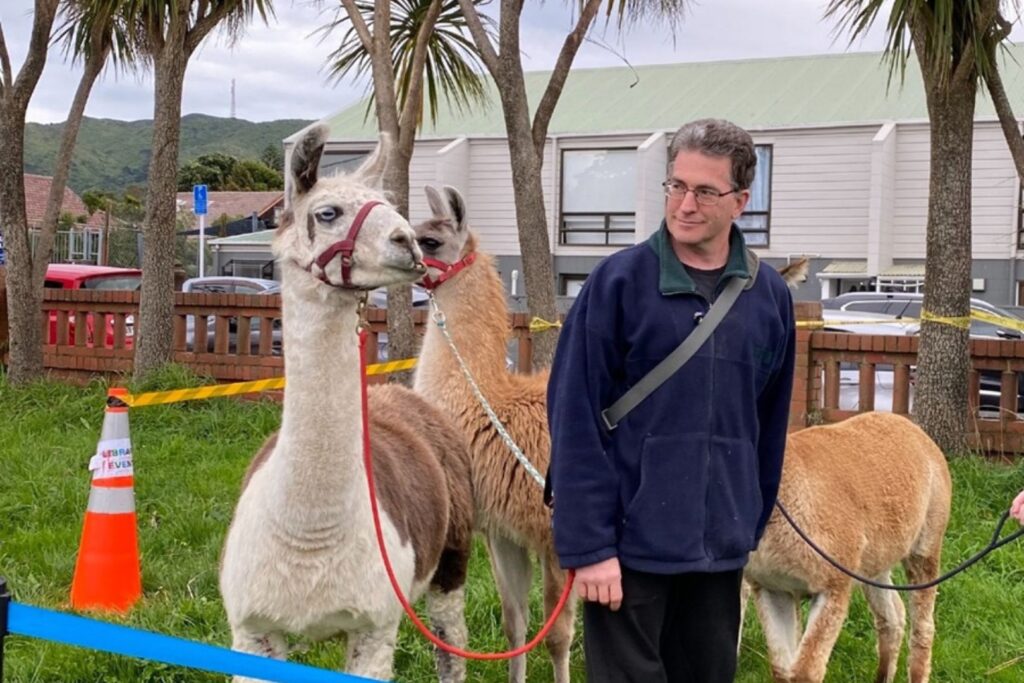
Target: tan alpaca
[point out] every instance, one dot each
(301, 556)
(873, 491)
(509, 503)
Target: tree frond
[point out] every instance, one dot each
(88, 26)
(956, 32)
(452, 69)
(628, 13)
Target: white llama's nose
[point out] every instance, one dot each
(402, 237)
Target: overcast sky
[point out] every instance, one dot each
(279, 68)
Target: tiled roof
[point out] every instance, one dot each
(37, 192)
(231, 204)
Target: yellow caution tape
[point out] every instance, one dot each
(392, 366)
(541, 325)
(818, 324)
(213, 391)
(1011, 323)
(178, 395)
(963, 322)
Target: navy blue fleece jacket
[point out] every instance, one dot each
(687, 481)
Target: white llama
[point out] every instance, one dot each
(509, 503)
(301, 555)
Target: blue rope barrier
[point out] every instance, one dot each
(58, 627)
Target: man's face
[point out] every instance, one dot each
(691, 223)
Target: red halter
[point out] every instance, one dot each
(345, 247)
(448, 270)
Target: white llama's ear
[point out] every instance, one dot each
(371, 171)
(438, 205)
(306, 159)
(457, 206)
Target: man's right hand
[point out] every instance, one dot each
(601, 582)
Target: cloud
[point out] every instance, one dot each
(279, 71)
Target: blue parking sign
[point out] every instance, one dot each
(199, 200)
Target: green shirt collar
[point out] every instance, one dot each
(673, 278)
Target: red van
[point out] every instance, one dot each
(99, 278)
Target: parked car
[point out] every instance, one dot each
(226, 284)
(908, 305)
(230, 284)
(95, 278)
(379, 297)
(858, 318)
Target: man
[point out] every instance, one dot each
(658, 515)
(1017, 507)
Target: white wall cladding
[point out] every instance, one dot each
(491, 203)
(994, 193)
(827, 198)
(422, 171)
(820, 191)
(652, 167)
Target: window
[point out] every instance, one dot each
(867, 306)
(256, 269)
(598, 190)
(570, 285)
(756, 219)
(333, 163)
(1020, 218)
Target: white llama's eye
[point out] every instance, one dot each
(430, 244)
(327, 214)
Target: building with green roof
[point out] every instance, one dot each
(842, 171)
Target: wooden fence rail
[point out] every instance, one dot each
(236, 337)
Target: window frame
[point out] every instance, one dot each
(330, 169)
(606, 216)
(565, 278)
(767, 212)
(1020, 215)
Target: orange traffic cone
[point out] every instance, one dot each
(107, 575)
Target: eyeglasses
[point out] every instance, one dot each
(704, 195)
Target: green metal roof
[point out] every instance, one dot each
(833, 89)
(259, 238)
(846, 267)
(904, 270)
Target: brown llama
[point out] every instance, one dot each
(888, 470)
(301, 554)
(872, 491)
(509, 502)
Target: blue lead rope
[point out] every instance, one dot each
(58, 627)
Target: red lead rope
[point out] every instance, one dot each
(368, 462)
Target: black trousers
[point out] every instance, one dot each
(680, 628)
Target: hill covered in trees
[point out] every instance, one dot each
(114, 155)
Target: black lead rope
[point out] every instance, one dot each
(995, 543)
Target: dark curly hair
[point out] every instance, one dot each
(718, 138)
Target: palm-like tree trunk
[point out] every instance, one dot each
(400, 124)
(170, 33)
(526, 142)
(402, 341)
(532, 221)
(156, 304)
(940, 404)
(22, 300)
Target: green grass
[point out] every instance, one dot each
(189, 459)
